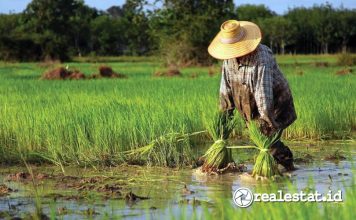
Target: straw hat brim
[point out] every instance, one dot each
(248, 43)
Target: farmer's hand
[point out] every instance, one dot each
(268, 128)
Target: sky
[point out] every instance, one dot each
(279, 6)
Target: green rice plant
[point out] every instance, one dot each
(218, 156)
(265, 164)
(92, 122)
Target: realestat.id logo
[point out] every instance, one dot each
(243, 197)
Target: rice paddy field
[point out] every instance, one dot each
(82, 128)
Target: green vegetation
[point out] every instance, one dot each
(177, 31)
(88, 122)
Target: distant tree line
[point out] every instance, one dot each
(178, 31)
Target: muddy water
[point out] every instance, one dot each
(90, 193)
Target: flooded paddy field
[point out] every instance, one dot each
(139, 192)
(73, 135)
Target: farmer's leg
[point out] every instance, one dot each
(283, 155)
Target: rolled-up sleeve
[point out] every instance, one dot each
(263, 93)
(226, 99)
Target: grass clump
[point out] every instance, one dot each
(265, 164)
(346, 59)
(218, 156)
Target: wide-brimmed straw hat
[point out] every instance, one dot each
(235, 39)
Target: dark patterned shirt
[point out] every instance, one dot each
(256, 87)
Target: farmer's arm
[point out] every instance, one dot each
(264, 94)
(226, 100)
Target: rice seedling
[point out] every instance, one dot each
(218, 156)
(265, 164)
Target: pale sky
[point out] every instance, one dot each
(279, 6)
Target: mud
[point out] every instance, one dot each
(132, 192)
(104, 185)
(4, 190)
(230, 168)
(131, 197)
(23, 176)
(303, 158)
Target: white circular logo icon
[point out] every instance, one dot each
(243, 197)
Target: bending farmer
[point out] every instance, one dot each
(253, 84)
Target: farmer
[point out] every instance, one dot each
(253, 84)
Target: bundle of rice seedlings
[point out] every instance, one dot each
(166, 150)
(218, 156)
(265, 165)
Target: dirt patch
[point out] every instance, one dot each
(345, 71)
(4, 190)
(107, 72)
(76, 75)
(62, 73)
(57, 73)
(170, 72)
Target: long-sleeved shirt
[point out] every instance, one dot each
(255, 86)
